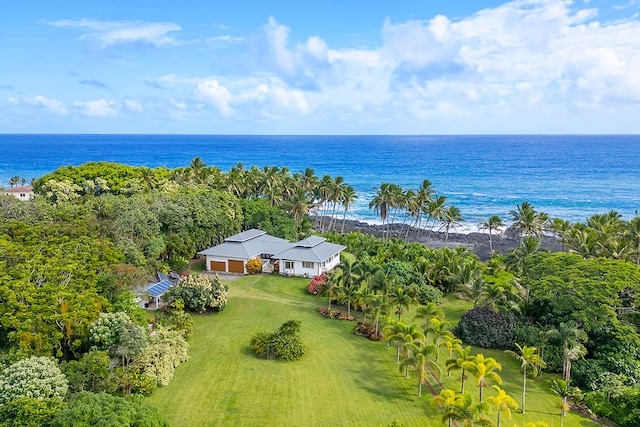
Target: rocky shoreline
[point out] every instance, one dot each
(476, 242)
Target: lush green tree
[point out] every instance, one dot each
(529, 358)
(167, 349)
(199, 293)
(30, 412)
(37, 377)
(90, 373)
(119, 336)
(88, 409)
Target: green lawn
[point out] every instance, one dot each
(343, 380)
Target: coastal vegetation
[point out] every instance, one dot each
(72, 258)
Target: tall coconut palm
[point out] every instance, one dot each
(348, 197)
(494, 223)
(483, 369)
(381, 202)
(463, 362)
(424, 196)
(529, 358)
(420, 359)
(378, 307)
(451, 218)
(435, 209)
(502, 402)
(632, 233)
(526, 221)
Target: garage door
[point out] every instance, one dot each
(236, 266)
(217, 266)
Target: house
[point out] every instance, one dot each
(233, 254)
(309, 257)
(21, 193)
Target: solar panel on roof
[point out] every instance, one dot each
(159, 288)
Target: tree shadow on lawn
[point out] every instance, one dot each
(379, 385)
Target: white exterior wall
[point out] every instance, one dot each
(298, 269)
(331, 264)
(24, 196)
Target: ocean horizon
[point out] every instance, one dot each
(567, 176)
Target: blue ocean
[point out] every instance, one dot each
(570, 177)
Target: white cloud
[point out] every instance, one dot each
(97, 108)
(106, 34)
(215, 94)
(132, 105)
(52, 105)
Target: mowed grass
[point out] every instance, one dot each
(343, 379)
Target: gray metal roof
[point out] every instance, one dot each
(319, 252)
(310, 241)
(244, 247)
(245, 235)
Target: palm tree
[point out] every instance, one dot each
(450, 343)
(420, 360)
(571, 337)
(439, 330)
(423, 198)
(517, 258)
(502, 401)
(529, 358)
(435, 209)
(526, 221)
(427, 313)
(494, 223)
(564, 390)
(299, 206)
(394, 334)
(484, 369)
(378, 307)
(348, 197)
(401, 298)
(451, 217)
(464, 362)
(632, 233)
(412, 336)
(451, 403)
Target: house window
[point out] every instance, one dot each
(288, 265)
(307, 264)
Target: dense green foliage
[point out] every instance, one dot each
(199, 293)
(88, 409)
(484, 327)
(38, 377)
(282, 344)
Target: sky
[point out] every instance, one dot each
(320, 67)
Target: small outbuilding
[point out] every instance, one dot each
(155, 291)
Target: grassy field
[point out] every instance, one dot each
(343, 380)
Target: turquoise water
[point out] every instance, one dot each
(570, 177)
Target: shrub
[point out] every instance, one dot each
(254, 266)
(364, 329)
(324, 312)
(428, 293)
(485, 328)
(282, 344)
(334, 314)
(199, 293)
(316, 284)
